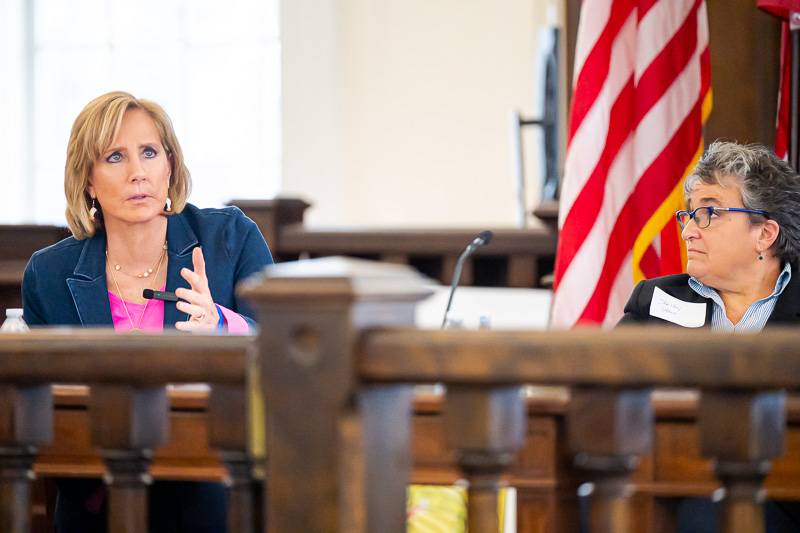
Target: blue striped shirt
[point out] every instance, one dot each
(756, 315)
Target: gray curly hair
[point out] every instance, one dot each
(765, 181)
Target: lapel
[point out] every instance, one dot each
(88, 285)
(787, 308)
(180, 242)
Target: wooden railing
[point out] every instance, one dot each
(338, 382)
(128, 408)
(17, 244)
(515, 258)
(338, 360)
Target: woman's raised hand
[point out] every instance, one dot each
(198, 304)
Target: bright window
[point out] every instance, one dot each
(214, 66)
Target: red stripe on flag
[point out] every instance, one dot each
(595, 69)
(670, 261)
(650, 263)
(644, 7)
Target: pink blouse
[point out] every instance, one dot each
(153, 319)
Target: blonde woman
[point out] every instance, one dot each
(126, 187)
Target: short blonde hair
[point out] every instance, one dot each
(92, 133)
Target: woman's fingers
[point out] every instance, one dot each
(192, 296)
(199, 262)
(198, 283)
(195, 326)
(197, 303)
(191, 309)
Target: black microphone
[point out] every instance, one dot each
(150, 294)
(483, 238)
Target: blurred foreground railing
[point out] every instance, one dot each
(338, 363)
(335, 375)
(128, 410)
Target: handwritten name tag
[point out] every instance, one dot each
(671, 309)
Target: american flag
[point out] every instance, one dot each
(641, 93)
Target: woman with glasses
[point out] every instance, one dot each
(742, 234)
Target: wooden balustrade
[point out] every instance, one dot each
(337, 359)
(338, 328)
(127, 375)
(515, 257)
(742, 381)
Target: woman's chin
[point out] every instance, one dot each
(695, 270)
(137, 216)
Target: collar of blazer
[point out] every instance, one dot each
(88, 284)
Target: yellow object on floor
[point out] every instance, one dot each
(443, 509)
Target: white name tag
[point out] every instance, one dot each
(671, 309)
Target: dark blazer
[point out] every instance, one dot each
(637, 310)
(65, 284)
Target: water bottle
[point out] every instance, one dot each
(14, 322)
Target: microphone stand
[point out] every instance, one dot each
(482, 239)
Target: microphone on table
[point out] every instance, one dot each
(483, 238)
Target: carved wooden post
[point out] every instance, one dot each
(26, 421)
(128, 422)
(607, 430)
(486, 426)
(318, 421)
(227, 409)
(742, 431)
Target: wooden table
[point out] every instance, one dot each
(186, 457)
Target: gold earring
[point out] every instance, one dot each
(92, 210)
(168, 207)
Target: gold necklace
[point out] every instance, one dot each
(134, 327)
(146, 273)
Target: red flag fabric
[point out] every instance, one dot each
(784, 94)
(641, 92)
(779, 8)
(783, 9)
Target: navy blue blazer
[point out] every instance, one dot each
(65, 284)
(637, 310)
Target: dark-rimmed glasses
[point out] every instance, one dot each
(702, 215)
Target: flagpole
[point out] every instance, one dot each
(794, 124)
